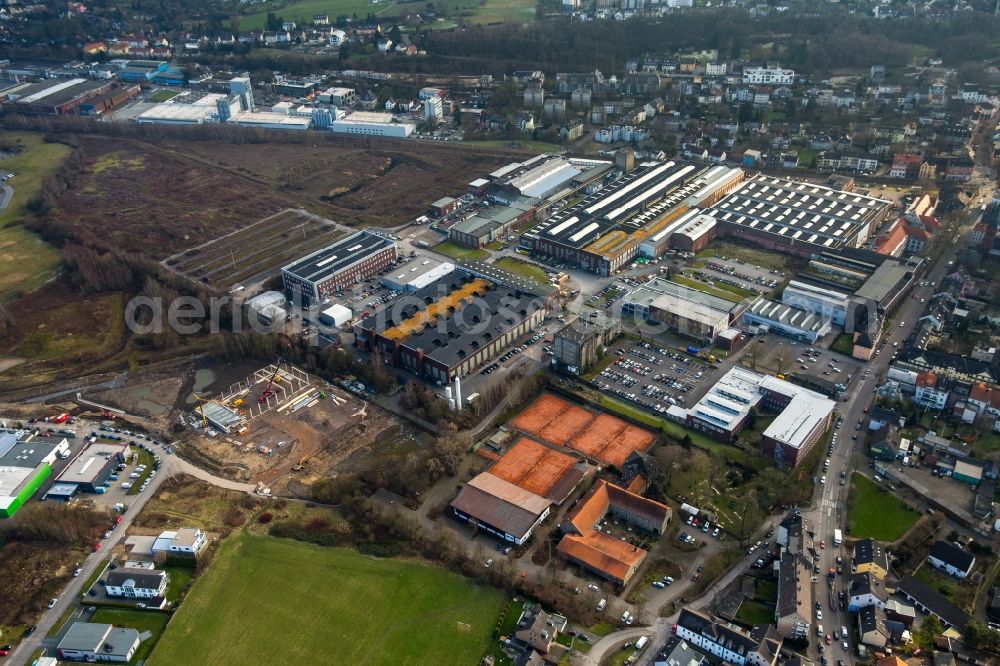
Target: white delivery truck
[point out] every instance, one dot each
(641, 643)
(838, 537)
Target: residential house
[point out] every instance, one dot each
(897, 611)
(384, 44)
(92, 642)
(865, 590)
(871, 627)
(185, 541)
(794, 606)
(869, 556)
(536, 629)
(928, 395)
(337, 37)
(951, 559)
(136, 583)
(572, 130)
(906, 166)
(846, 161)
(678, 652)
(693, 151)
(728, 643)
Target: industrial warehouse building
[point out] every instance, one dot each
(639, 212)
(203, 110)
(586, 545)
(366, 123)
(338, 267)
(93, 465)
(821, 301)
(500, 508)
(682, 310)
(416, 274)
(54, 97)
(450, 327)
(791, 215)
(803, 415)
(486, 226)
(25, 464)
(786, 320)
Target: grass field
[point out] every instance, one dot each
(754, 612)
(727, 293)
(522, 268)
(163, 95)
(302, 11)
(873, 514)
(27, 261)
(285, 602)
(843, 344)
(140, 620)
(456, 251)
(751, 255)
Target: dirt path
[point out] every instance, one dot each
(306, 444)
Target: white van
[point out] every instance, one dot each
(602, 604)
(641, 643)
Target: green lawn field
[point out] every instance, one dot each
(874, 514)
(266, 600)
(522, 268)
(27, 262)
(456, 251)
(302, 11)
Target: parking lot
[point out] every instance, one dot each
(738, 274)
(779, 355)
(654, 377)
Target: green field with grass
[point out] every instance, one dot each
(873, 514)
(522, 268)
(754, 612)
(163, 95)
(455, 251)
(706, 289)
(265, 598)
(302, 11)
(751, 255)
(141, 620)
(843, 344)
(28, 262)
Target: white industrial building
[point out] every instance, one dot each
(269, 307)
(336, 315)
(366, 123)
(201, 111)
(417, 274)
(826, 303)
(271, 120)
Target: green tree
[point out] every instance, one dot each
(930, 628)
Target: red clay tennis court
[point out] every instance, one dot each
(533, 466)
(611, 439)
(552, 419)
(602, 436)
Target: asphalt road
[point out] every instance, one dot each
(170, 465)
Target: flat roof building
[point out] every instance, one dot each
(683, 310)
(803, 415)
(500, 508)
(576, 346)
(823, 302)
(93, 465)
(25, 464)
(55, 97)
(450, 327)
(338, 267)
(202, 110)
(793, 215)
(367, 123)
(416, 274)
(490, 225)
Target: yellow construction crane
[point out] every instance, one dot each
(198, 408)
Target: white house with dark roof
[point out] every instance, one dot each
(951, 559)
(136, 583)
(724, 642)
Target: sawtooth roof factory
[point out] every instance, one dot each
(603, 232)
(350, 260)
(791, 215)
(803, 415)
(453, 325)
